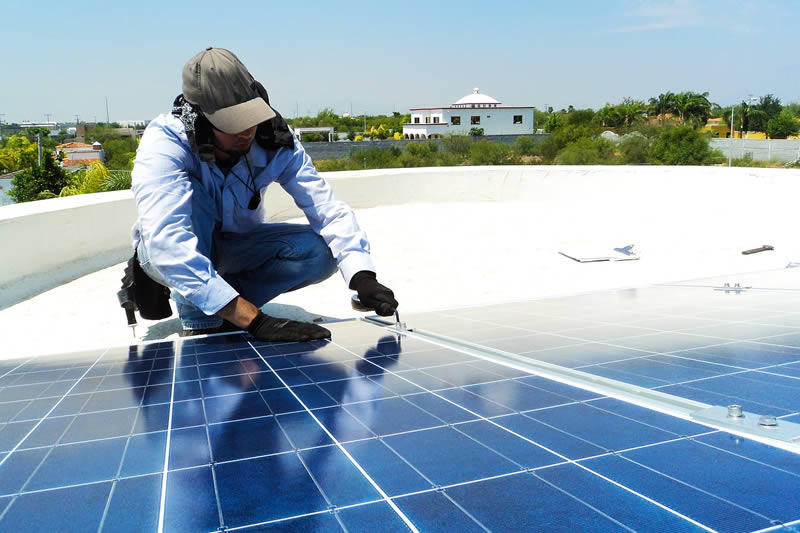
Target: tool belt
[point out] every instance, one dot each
(141, 293)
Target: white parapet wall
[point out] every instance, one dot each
(49, 242)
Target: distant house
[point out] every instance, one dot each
(475, 110)
(80, 154)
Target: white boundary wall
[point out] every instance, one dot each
(46, 243)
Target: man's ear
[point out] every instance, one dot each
(262, 92)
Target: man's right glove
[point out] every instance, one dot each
(270, 329)
(372, 294)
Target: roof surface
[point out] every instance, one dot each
(476, 98)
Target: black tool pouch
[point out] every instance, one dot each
(140, 293)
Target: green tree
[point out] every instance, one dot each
(794, 108)
(18, 153)
(119, 153)
(771, 105)
(40, 181)
(682, 145)
(783, 125)
(553, 122)
(632, 111)
(692, 107)
(476, 131)
(580, 116)
(609, 117)
(662, 105)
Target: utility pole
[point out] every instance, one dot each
(730, 151)
(47, 117)
(107, 119)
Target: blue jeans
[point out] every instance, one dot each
(259, 265)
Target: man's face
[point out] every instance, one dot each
(234, 143)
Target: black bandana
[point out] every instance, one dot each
(270, 135)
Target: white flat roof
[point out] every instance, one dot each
(455, 254)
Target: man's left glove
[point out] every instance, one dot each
(372, 294)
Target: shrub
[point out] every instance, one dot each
(524, 146)
(587, 151)
(457, 144)
(476, 132)
(633, 149)
(548, 148)
(484, 152)
(87, 181)
(682, 145)
(744, 161)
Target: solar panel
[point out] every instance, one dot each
(384, 432)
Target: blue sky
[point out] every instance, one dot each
(378, 57)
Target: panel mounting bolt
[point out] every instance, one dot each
(735, 411)
(767, 420)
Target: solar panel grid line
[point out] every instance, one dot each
(577, 463)
(587, 504)
(677, 406)
(50, 450)
(299, 456)
(165, 470)
(347, 454)
(698, 489)
(121, 463)
(695, 438)
(564, 375)
(9, 454)
(210, 452)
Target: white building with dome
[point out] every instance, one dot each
(475, 110)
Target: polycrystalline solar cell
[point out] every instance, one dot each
(454, 441)
(708, 345)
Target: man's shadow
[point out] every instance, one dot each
(361, 382)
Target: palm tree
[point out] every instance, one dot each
(665, 103)
(632, 111)
(692, 106)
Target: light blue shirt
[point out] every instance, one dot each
(164, 174)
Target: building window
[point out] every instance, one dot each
(475, 119)
(517, 119)
(416, 120)
(427, 120)
(455, 121)
(435, 120)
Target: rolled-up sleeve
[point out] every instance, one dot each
(329, 217)
(162, 189)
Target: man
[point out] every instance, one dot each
(199, 178)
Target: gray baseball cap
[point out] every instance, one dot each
(221, 86)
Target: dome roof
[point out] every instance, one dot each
(476, 98)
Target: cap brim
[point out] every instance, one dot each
(240, 117)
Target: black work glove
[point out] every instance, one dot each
(270, 329)
(372, 294)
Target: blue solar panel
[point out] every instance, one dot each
(372, 432)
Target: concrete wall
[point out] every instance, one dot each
(786, 150)
(337, 150)
(45, 243)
